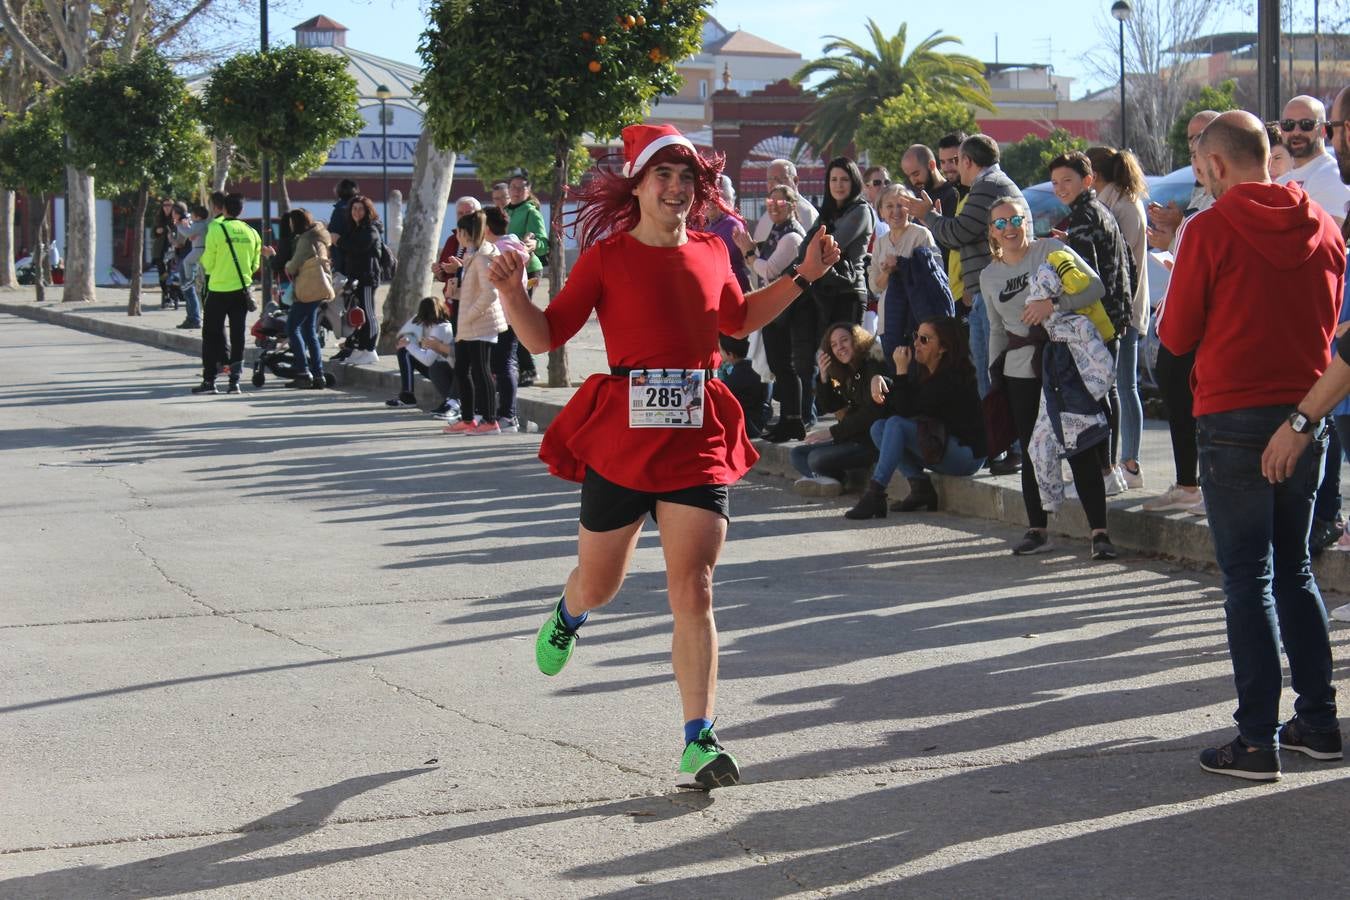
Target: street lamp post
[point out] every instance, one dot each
(1122, 10)
(384, 94)
(266, 178)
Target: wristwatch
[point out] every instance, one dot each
(750, 254)
(1301, 423)
(797, 277)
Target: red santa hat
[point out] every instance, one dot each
(641, 142)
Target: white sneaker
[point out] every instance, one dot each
(1133, 480)
(509, 425)
(1178, 498)
(1115, 482)
(818, 486)
(363, 358)
(1341, 613)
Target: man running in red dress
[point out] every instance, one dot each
(662, 292)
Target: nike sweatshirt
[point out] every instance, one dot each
(1256, 291)
(1005, 286)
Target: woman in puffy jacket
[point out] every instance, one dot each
(311, 240)
(849, 358)
(481, 319)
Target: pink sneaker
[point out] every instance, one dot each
(485, 428)
(463, 426)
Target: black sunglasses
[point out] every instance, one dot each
(877, 182)
(1301, 124)
(925, 339)
(1330, 127)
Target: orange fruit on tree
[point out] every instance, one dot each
(629, 21)
(642, 20)
(602, 40)
(593, 66)
(585, 35)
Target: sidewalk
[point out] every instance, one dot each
(1172, 535)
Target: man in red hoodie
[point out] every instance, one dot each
(1256, 292)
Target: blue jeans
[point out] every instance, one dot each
(979, 342)
(1131, 408)
(897, 440)
(1327, 502)
(302, 330)
(830, 459)
(194, 305)
(1260, 535)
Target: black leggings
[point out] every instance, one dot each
(1108, 452)
(789, 344)
(1174, 380)
(473, 373)
(1024, 400)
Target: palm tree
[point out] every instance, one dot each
(860, 79)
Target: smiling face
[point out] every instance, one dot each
(916, 173)
(841, 345)
(1011, 238)
(1303, 145)
(928, 350)
(665, 194)
(894, 213)
(839, 184)
(1068, 184)
(948, 159)
(358, 212)
(780, 210)
(874, 183)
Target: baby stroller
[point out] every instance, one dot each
(274, 352)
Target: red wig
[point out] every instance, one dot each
(606, 204)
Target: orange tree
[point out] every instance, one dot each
(558, 68)
(134, 125)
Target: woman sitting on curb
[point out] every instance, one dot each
(936, 422)
(425, 345)
(849, 358)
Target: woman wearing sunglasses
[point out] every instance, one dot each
(934, 422)
(1015, 353)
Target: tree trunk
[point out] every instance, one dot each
(81, 237)
(138, 251)
(557, 253)
(283, 195)
(433, 171)
(8, 278)
(220, 173)
(40, 270)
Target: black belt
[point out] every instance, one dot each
(627, 370)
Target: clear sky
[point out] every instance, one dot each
(1026, 32)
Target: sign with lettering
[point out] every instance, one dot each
(367, 151)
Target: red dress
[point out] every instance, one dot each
(659, 308)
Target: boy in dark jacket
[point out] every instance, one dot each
(739, 375)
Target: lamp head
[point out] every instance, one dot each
(1121, 10)
(384, 93)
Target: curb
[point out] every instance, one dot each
(1167, 535)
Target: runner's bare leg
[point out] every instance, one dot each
(692, 539)
(602, 563)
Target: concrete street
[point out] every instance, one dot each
(282, 645)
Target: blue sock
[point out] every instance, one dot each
(572, 622)
(694, 727)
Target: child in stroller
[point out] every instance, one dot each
(274, 352)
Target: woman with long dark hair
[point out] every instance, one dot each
(848, 360)
(841, 295)
(662, 291)
(935, 422)
(361, 263)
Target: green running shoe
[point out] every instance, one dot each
(706, 765)
(553, 645)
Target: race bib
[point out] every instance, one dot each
(665, 398)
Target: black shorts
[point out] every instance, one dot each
(606, 506)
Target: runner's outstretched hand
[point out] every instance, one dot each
(821, 253)
(506, 269)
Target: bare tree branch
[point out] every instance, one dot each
(24, 44)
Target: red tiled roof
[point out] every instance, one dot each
(321, 23)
